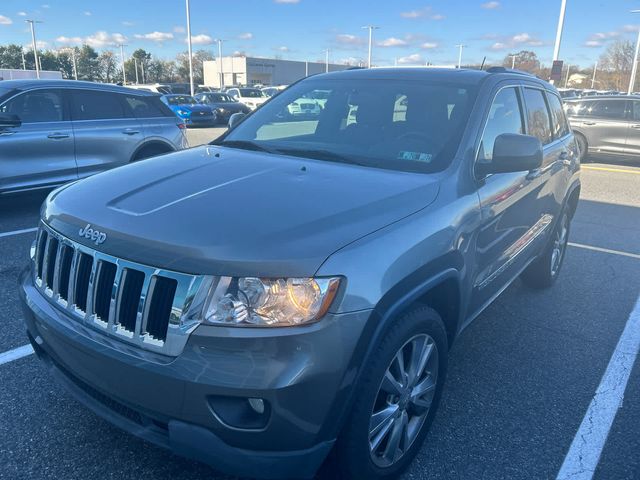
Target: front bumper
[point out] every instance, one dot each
(304, 375)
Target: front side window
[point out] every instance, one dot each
(36, 106)
(505, 116)
(560, 125)
(538, 118)
(180, 100)
(96, 105)
(393, 124)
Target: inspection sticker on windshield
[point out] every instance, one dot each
(415, 156)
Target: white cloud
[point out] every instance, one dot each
(348, 39)
(99, 39)
(127, 23)
(245, 36)
(429, 45)
(179, 29)
(593, 43)
(239, 53)
(392, 42)
(598, 39)
(516, 41)
(499, 46)
(286, 1)
(46, 5)
(155, 36)
(40, 45)
(413, 59)
(490, 5)
(426, 12)
(69, 40)
(22, 14)
(5, 20)
(201, 39)
(283, 49)
(87, 13)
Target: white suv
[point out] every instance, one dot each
(251, 97)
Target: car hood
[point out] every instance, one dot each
(226, 211)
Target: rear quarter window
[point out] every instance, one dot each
(147, 107)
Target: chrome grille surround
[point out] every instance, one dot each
(183, 316)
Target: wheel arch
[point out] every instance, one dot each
(157, 145)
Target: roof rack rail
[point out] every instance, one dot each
(507, 70)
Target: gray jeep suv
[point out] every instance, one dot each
(294, 287)
(56, 131)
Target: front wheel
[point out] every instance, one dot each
(396, 400)
(544, 271)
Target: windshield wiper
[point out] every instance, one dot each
(244, 145)
(318, 155)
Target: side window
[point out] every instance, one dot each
(36, 106)
(613, 109)
(96, 105)
(146, 107)
(636, 110)
(538, 118)
(560, 125)
(505, 116)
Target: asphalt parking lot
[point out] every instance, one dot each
(521, 378)
(200, 136)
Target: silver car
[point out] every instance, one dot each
(53, 132)
(606, 125)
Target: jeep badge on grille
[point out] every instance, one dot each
(96, 236)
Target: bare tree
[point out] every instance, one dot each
(615, 64)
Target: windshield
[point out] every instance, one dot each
(251, 93)
(181, 100)
(394, 124)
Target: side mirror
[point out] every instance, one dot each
(8, 120)
(235, 119)
(513, 152)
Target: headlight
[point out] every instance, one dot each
(263, 302)
(183, 113)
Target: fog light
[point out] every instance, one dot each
(257, 404)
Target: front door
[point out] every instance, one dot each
(40, 152)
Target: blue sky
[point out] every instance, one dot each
(411, 32)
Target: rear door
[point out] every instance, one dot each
(106, 134)
(604, 123)
(40, 152)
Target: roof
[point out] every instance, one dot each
(602, 97)
(30, 83)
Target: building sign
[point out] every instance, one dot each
(556, 71)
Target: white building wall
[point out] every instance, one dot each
(14, 74)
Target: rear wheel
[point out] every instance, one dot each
(150, 151)
(397, 399)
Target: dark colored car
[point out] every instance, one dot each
(57, 131)
(606, 126)
(294, 288)
(222, 104)
(189, 110)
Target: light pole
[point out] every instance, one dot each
(371, 28)
(460, 46)
(124, 73)
(219, 41)
(24, 63)
(593, 79)
(189, 47)
(556, 48)
(513, 61)
(634, 68)
(326, 61)
(135, 64)
(35, 48)
(566, 79)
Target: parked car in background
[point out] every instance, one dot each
(189, 110)
(205, 89)
(152, 87)
(606, 125)
(293, 289)
(251, 97)
(56, 131)
(272, 91)
(222, 104)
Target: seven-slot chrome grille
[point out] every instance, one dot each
(136, 303)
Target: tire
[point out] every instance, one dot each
(583, 147)
(544, 271)
(150, 151)
(419, 330)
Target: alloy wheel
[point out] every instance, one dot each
(559, 244)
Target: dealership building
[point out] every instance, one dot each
(265, 71)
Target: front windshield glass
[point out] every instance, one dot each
(181, 100)
(251, 93)
(409, 125)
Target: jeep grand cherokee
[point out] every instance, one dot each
(294, 287)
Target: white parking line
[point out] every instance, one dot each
(605, 250)
(17, 232)
(16, 353)
(584, 454)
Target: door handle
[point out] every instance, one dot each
(130, 131)
(588, 123)
(636, 125)
(57, 136)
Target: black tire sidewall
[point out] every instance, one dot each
(352, 448)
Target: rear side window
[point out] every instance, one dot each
(36, 106)
(560, 125)
(147, 107)
(505, 116)
(613, 109)
(538, 118)
(96, 105)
